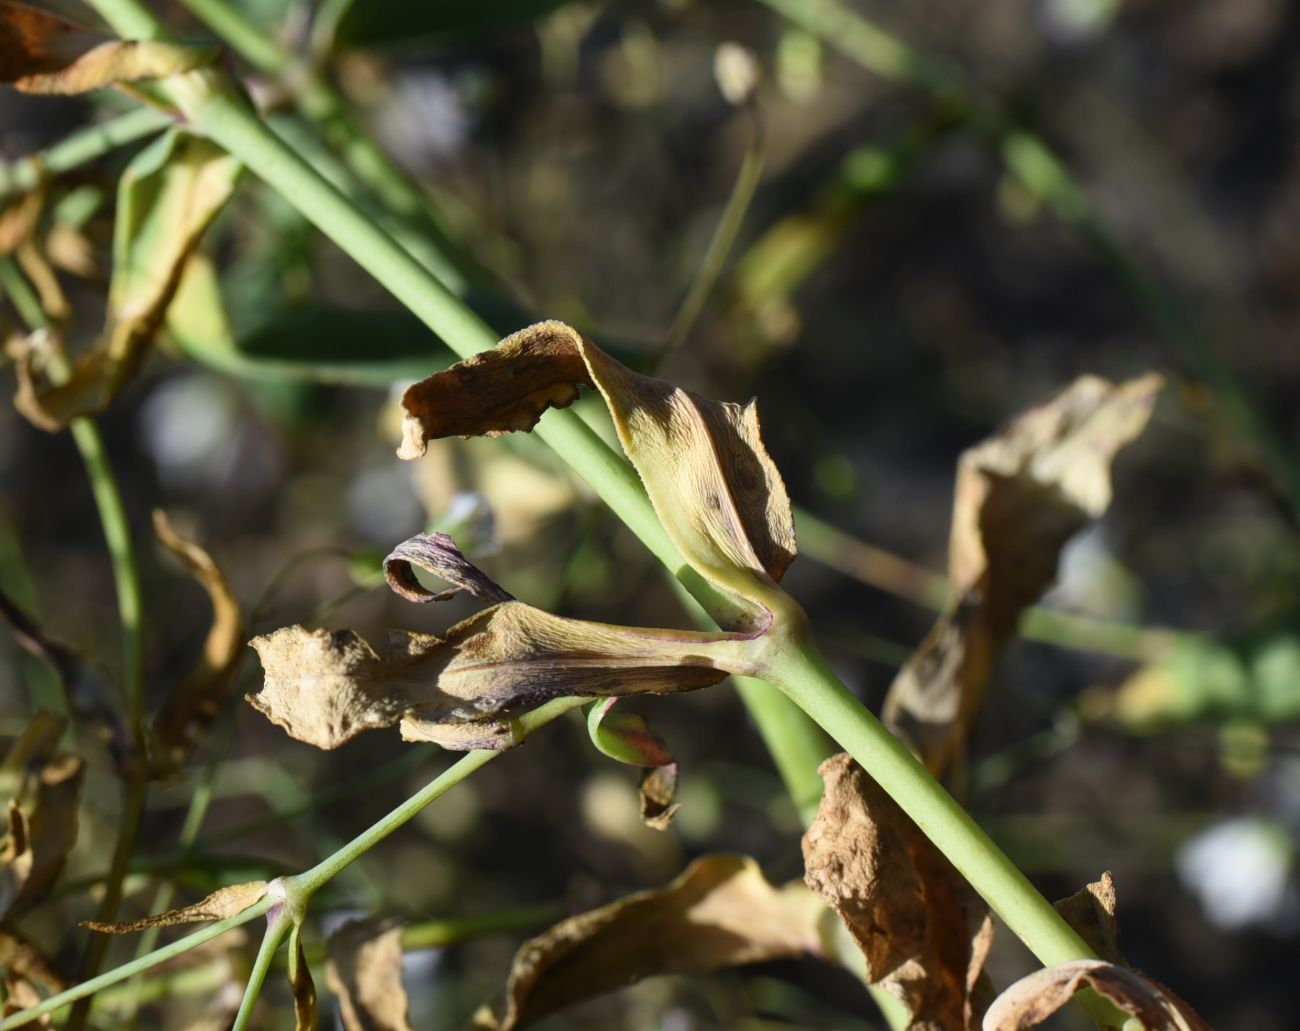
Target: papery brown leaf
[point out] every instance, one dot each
(28, 978)
(658, 791)
(1020, 496)
(190, 710)
(721, 912)
(365, 972)
(713, 486)
(462, 691)
(923, 930)
(301, 985)
(222, 903)
(1033, 999)
(42, 815)
(1091, 912)
(437, 553)
(167, 198)
(43, 53)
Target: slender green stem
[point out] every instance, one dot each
(277, 928)
(128, 970)
(79, 148)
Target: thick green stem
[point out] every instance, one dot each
(277, 928)
(79, 148)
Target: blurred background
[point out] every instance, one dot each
(915, 221)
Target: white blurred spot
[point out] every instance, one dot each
(1239, 869)
(425, 119)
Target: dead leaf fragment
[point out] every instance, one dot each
(1091, 912)
(191, 709)
(42, 815)
(1033, 999)
(713, 486)
(720, 912)
(167, 197)
(365, 972)
(658, 791)
(222, 903)
(923, 930)
(1020, 496)
(462, 691)
(43, 53)
(437, 553)
(301, 984)
(628, 738)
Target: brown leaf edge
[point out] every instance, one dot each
(365, 971)
(1033, 999)
(221, 904)
(1091, 912)
(719, 912)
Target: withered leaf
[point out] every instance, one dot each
(462, 691)
(28, 976)
(924, 932)
(301, 984)
(720, 912)
(190, 710)
(365, 972)
(43, 53)
(713, 486)
(628, 738)
(1020, 496)
(222, 903)
(42, 815)
(1091, 912)
(437, 553)
(1033, 999)
(166, 199)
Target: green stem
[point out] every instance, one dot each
(277, 928)
(801, 673)
(80, 148)
(128, 970)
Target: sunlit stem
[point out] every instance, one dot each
(278, 925)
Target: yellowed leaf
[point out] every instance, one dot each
(167, 198)
(365, 972)
(191, 708)
(43, 53)
(461, 691)
(1091, 912)
(924, 932)
(1020, 496)
(42, 815)
(1033, 999)
(721, 912)
(713, 485)
(222, 903)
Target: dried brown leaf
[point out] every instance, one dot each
(301, 985)
(365, 972)
(42, 815)
(437, 553)
(721, 912)
(462, 691)
(923, 930)
(167, 198)
(713, 486)
(1091, 912)
(28, 977)
(43, 53)
(222, 903)
(190, 710)
(1033, 999)
(658, 791)
(1020, 496)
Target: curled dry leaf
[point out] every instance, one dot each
(365, 972)
(42, 815)
(1033, 999)
(222, 903)
(628, 738)
(437, 553)
(190, 710)
(462, 691)
(301, 985)
(721, 912)
(1091, 912)
(1020, 496)
(923, 930)
(166, 199)
(713, 486)
(43, 53)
